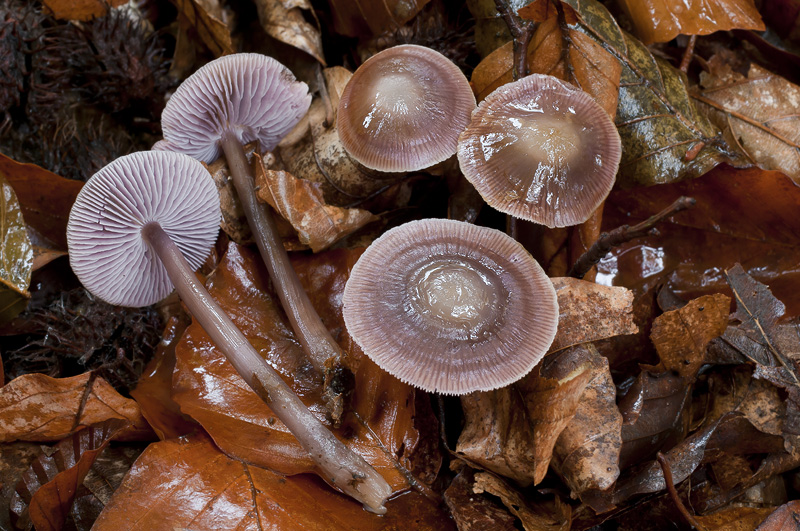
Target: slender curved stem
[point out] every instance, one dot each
(312, 334)
(340, 466)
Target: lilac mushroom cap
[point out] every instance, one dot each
(253, 96)
(106, 248)
(403, 109)
(450, 307)
(542, 150)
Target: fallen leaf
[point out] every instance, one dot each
(734, 519)
(355, 18)
(759, 114)
(654, 416)
(80, 9)
(153, 390)
(512, 431)
(300, 202)
(16, 255)
(681, 336)
(491, 30)
(534, 517)
(785, 518)
(573, 57)
(45, 198)
(586, 453)
(656, 118)
(230, 494)
(35, 407)
(14, 460)
(209, 390)
(284, 20)
(474, 513)
(663, 20)
(747, 216)
(206, 17)
(590, 312)
(47, 489)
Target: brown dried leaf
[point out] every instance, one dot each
(230, 494)
(16, 255)
(35, 407)
(785, 518)
(80, 9)
(654, 416)
(206, 17)
(760, 114)
(681, 336)
(209, 390)
(734, 519)
(534, 517)
(512, 431)
(356, 18)
(663, 20)
(586, 453)
(284, 21)
(45, 198)
(591, 312)
(153, 391)
(301, 203)
(45, 494)
(573, 57)
(474, 513)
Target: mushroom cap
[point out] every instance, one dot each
(104, 233)
(252, 95)
(542, 150)
(450, 307)
(403, 109)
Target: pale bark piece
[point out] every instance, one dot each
(663, 20)
(302, 204)
(35, 407)
(591, 312)
(586, 453)
(681, 336)
(760, 114)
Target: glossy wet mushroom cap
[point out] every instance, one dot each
(104, 233)
(403, 109)
(542, 150)
(253, 95)
(450, 307)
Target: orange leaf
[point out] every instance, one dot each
(35, 407)
(45, 198)
(663, 20)
(81, 9)
(47, 505)
(208, 388)
(230, 494)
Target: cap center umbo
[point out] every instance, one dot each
(458, 296)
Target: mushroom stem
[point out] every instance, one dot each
(340, 466)
(323, 352)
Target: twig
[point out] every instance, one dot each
(665, 468)
(688, 54)
(521, 33)
(625, 233)
(326, 98)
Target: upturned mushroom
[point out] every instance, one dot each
(539, 149)
(139, 227)
(450, 307)
(403, 109)
(231, 101)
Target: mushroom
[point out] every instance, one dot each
(403, 109)
(143, 224)
(450, 307)
(541, 150)
(231, 101)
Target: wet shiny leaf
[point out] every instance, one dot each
(35, 407)
(759, 114)
(663, 20)
(47, 489)
(229, 494)
(16, 255)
